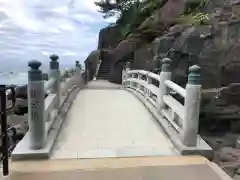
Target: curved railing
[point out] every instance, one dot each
(161, 94)
(141, 81)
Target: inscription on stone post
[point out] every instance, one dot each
(35, 96)
(196, 104)
(36, 114)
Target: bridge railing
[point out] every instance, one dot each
(97, 70)
(43, 111)
(161, 92)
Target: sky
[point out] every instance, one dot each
(35, 29)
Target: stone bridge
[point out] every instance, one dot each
(145, 128)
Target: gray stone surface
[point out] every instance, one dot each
(110, 123)
(102, 84)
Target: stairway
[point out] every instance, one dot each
(103, 73)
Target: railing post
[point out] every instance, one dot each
(37, 129)
(140, 78)
(55, 73)
(165, 74)
(148, 92)
(132, 83)
(192, 107)
(78, 68)
(86, 73)
(124, 73)
(78, 72)
(97, 69)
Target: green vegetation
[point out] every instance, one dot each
(193, 13)
(193, 19)
(130, 13)
(135, 17)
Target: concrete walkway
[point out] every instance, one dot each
(110, 123)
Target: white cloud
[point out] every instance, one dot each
(62, 10)
(38, 28)
(70, 54)
(111, 19)
(83, 18)
(45, 53)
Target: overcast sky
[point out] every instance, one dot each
(34, 29)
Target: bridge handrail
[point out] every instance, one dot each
(43, 111)
(183, 117)
(97, 69)
(176, 88)
(48, 84)
(145, 73)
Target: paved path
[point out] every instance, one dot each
(110, 123)
(102, 84)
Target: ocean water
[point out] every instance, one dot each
(21, 78)
(13, 78)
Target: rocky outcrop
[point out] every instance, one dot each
(161, 20)
(91, 62)
(204, 44)
(214, 46)
(143, 57)
(109, 37)
(21, 92)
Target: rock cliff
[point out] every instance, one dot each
(212, 44)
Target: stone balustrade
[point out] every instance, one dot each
(42, 112)
(183, 117)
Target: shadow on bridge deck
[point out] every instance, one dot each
(109, 122)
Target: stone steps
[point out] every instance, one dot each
(103, 73)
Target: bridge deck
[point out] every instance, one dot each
(109, 123)
(135, 168)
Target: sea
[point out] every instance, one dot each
(21, 78)
(13, 78)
